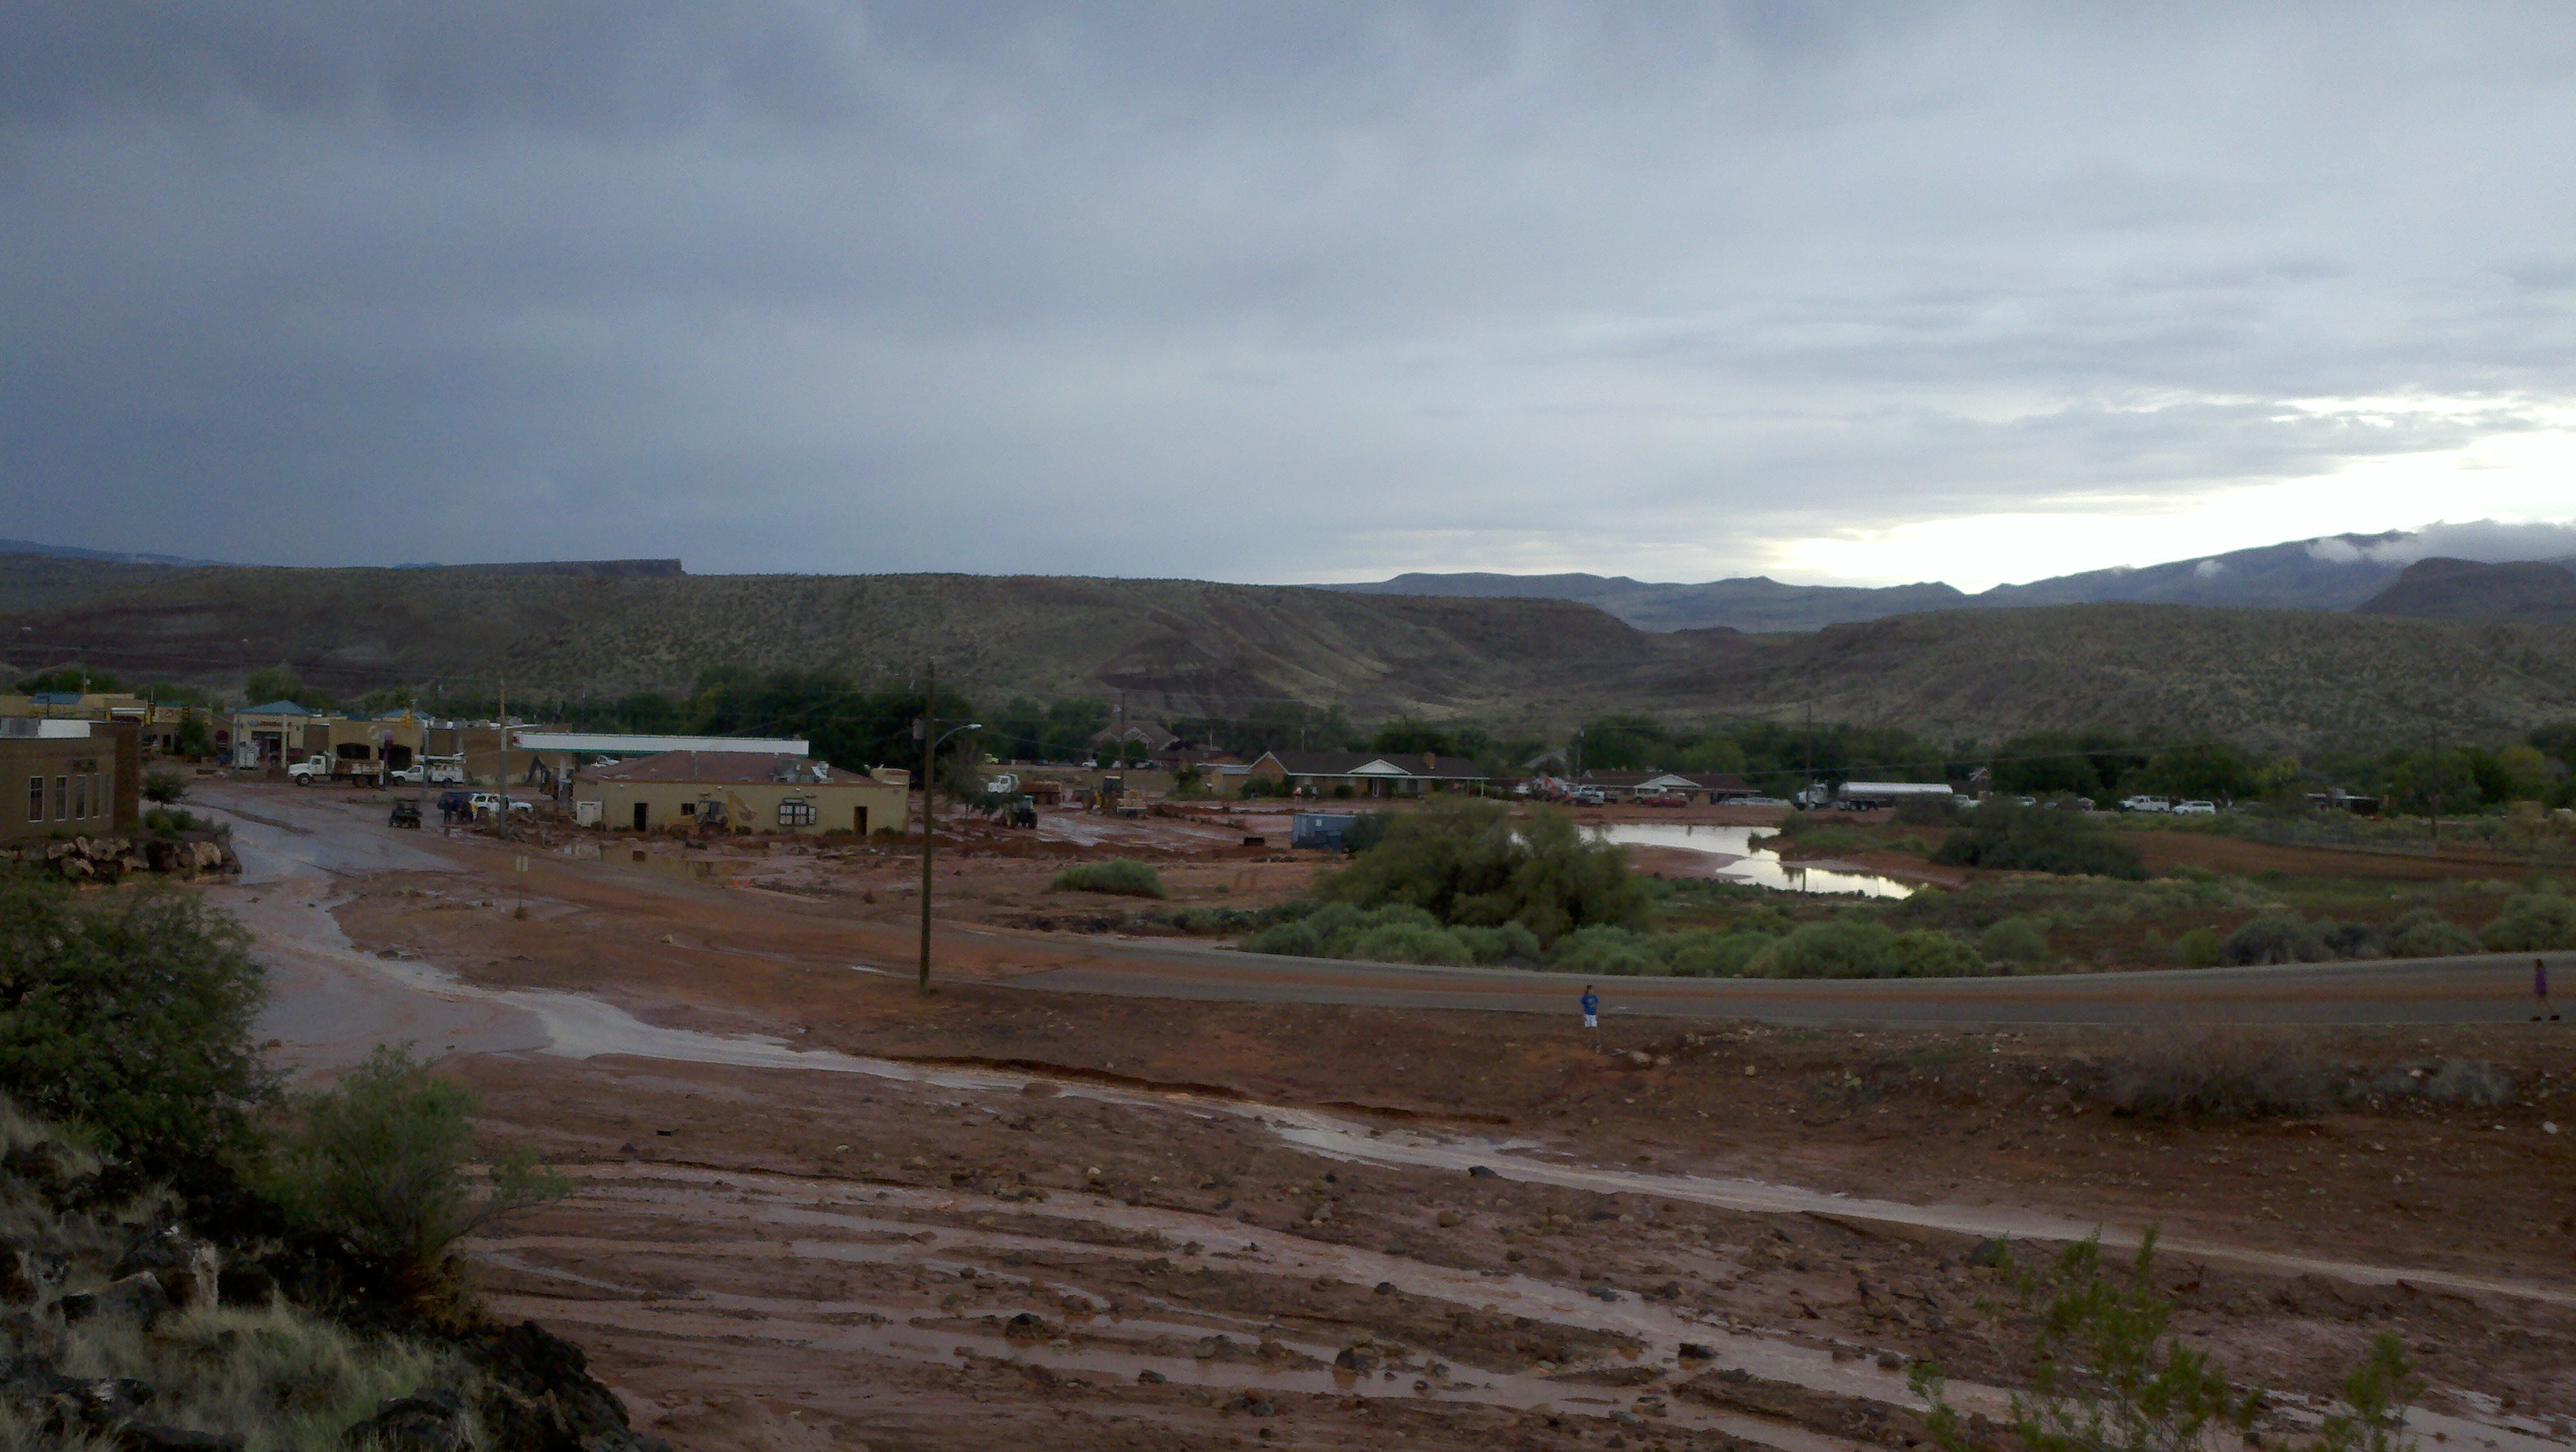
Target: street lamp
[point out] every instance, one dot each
(929, 816)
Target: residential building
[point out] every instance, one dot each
(61, 784)
(737, 791)
(1368, 773)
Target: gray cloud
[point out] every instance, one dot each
(1269, 292)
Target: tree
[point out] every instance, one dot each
(2212, 770)
(1621, 743)
(132, 1017)
(379, 1161)
(1407, 734)
(1468, 863)
(278, 683)
(70, 679)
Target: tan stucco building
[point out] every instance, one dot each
(58, 785)
(736, 791)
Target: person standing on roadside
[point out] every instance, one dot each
(2540, 991)
(1592, 1014)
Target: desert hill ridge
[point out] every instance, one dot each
(2273, 678)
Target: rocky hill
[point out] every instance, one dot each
(1180, 647)
(2444, 589)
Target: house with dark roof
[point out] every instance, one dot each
(736, 791)
(1368, 773)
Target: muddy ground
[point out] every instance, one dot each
(1132, 1252)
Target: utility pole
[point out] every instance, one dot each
(1811, 754)
(929, 837)
(502, 701)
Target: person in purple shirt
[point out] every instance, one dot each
(2540, 992)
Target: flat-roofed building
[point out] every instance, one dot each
(737, 791)
(57, 784)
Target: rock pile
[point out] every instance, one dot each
(107, 858)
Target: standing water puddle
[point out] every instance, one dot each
(1759, 866)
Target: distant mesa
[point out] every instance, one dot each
(2447, 589)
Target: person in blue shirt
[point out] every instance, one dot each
(1591, 1009)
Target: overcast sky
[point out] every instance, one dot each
(1284, 291)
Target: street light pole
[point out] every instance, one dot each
(929, 837)
(930, 739)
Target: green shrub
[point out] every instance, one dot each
(1605, 951)
(131, 1017)
(1123, 876)
(2022, 939)
(1834, 948)
(2276, 937)
(1925, 953)
(1700, 953)
(1500, 944)
(2202, 947)
(2537, 923)
(1468, 862)
(2007, 836)
(378, 1163)
(2425, 933)
(163, 785)
(1408, 943)
(1290, 939)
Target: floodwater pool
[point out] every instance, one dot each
(1747, 862)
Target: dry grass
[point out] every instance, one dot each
(2217, 1074)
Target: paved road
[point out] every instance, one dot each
(324, 834)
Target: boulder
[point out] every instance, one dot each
(431, 1419)
(150, 1437)
(137, 1298)
(186, 1267)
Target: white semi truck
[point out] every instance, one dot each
(1868, 796)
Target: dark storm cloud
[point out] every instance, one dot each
(1257, 292)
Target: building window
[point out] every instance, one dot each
(688, 809)
(796, 814)
(35, 799)
(62, 797)
(80, 795)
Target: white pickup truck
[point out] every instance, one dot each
(488, 804)
(432, 771)
(318, 767)
(2147, 804)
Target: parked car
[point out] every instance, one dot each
(2147, 804)
(487, 804)
(1590, 797)
(2196, 809)
(1665, 799)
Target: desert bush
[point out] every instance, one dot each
(1701, 953)
(2355, 940)
(1408, 943)
(163, 785)
(2006, 835)
(1929, 811)
(2215, 1074)
(2535, 923)
(1834, 948)
(1213, 919)
(2469, 1081)
(2275, 937)
(2108, 1378)
(2201, 947)
(1924, 953)
(1506, 943)
(1121, 876)
(2016, 940)
(1606, 951)
(1467, 862)
(377, 1162)
(2425, 933)
(1293, 939)
(131, 1017)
